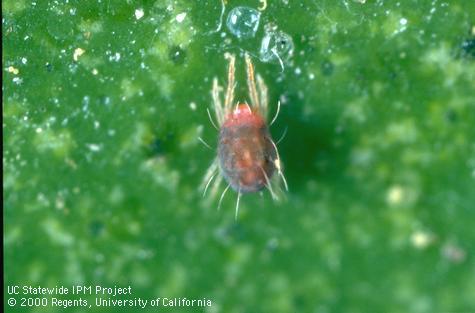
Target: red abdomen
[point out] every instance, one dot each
(246, 154)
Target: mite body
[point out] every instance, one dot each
(245, 150)
(247, 156)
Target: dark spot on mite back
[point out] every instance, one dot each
(49, 67)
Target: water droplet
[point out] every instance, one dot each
(243, 22)
(276, 46)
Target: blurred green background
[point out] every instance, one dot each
(103, 102)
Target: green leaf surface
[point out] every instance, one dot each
(103, 105)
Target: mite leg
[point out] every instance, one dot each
(276, 113)
(207, 185)
(251, 84)
(210, 173)
(278, 166)
(237, 205)
(215, 186)
(218, 107)
(230, 89)
(211, 119)
(282, 136)
(269, 185)
(204, 143)
(263, 96)
(222, 196)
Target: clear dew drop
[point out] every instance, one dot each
(243, 22)
(276, 46)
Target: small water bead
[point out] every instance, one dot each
(243, 22)
(276, 46)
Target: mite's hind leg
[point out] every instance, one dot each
(230, 88)
(215, 186)
(211, 181)
(269, 185)
(222, 197)
(210, 174)
(251, 84)
(237, 204)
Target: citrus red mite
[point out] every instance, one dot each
(247, 156)
(245, 150)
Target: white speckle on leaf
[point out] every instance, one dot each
(115, 57)
(139, 13)
(395, 195)
(13, 70)
(93, 147)
(77, 53)
(17, 80)
(193, 106)
(180, 17)
(24, 60)
(402, 25)
(420, 239)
